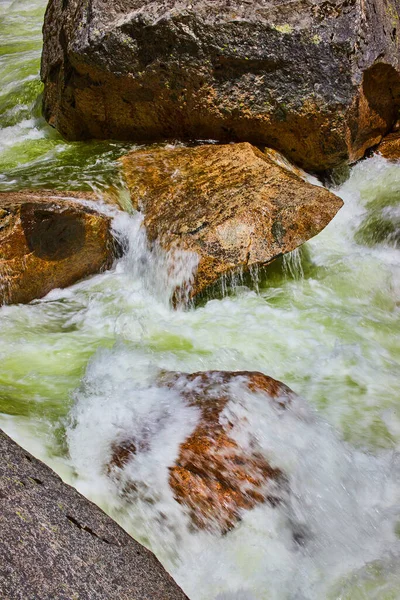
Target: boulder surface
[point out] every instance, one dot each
(233, 205)
(58, 545)
(317, 80)
(390, 146)
(49, 240)
(213, 477)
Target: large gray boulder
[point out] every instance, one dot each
(56, 545)
(315, 79)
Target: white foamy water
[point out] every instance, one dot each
(340, 513)
(330, 335)
(325, 324)
(78, 372)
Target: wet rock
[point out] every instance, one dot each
(213, 477)
(57, 544)
(316, 80)
(49, 240)
(390, 146)
(233, 205)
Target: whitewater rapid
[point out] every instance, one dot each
(78, 371)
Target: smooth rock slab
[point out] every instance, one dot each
(56, 545)
(50, 240)
(233, 205)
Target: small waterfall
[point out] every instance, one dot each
(292, 264)
(168, 275)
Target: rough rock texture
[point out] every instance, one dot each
(315, 79)
(390, 146)
(49, 240)
(56, 545)
(213, 477)
(233, 205)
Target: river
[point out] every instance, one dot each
(77, 368)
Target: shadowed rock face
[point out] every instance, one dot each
(233, 205)
(316, 80)
(49, 240)
(213, 478)
(57, 545)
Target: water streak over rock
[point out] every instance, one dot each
(214, 478)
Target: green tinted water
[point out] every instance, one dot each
(325, 320)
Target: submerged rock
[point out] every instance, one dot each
(232, 205)
(316, 80)
(213, 477)
(49, 240)
(56, 544)
(390, 146)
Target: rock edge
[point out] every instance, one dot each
(58, 544)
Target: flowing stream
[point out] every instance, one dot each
(77, 371)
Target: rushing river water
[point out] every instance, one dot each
(77, 368)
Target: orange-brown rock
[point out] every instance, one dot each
(390, 146)
(233, 205)
(213, 478)
(49, 240)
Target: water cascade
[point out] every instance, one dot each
(78, 371)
